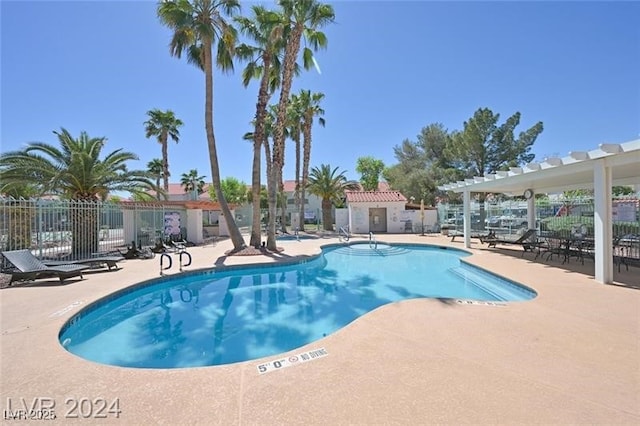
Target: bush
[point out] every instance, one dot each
(566, 224)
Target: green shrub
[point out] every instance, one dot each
(565, 224)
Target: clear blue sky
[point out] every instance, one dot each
(390, 69)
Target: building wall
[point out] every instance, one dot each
(342, 218)
(359, 216)
(314, 203)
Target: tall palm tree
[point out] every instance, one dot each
(330, 187)
(263, 62)
(163, 125)
(193, 183)
(156, 168)
(197, 25)
(293, 130)
(272, 179)
(302, 17)
(76, 172)
(310, 107)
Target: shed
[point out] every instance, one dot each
(375, 211)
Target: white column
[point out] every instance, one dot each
(194, 226)
(129, 226)
(602, 225)
(531, 212)
(223, 228)
(466, 204)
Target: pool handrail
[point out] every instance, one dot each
(185, 252)
(162, 257)
(373, 238)
(344, 230)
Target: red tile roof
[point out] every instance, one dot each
(178, 189)
(374, 196)
(290, 186)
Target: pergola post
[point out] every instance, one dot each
(466, 204)
(531, 212)
(602, 222)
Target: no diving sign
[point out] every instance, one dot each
(281, 363)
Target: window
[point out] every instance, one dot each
(292, 201)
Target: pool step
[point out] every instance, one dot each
(372, 251)
(503, 290)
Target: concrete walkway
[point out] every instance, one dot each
(570, 356)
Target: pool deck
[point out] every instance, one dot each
(570, 356)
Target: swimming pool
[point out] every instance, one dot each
(213, 318)
(293, 237)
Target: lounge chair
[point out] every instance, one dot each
(93, 262)
(482, 236)
(526, 240)
(27, 266)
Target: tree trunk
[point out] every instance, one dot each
(296, 194)
(165, 162)
(306, 157)
(271, 198)
(283, 204)
(327, 222)
(290, 55)
(83, 215)
(255, 194)
(234, 232)
(258, 141)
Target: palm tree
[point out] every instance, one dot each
(272, 179)
(156, 168)
(163, 125)
(265, 30)
(310, 107)
(302, 17)
(292, 130)
(329, 186)
(197, 25)
(295, 128)
(75, 172)
(192, 183)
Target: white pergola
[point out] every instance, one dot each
(600, 169)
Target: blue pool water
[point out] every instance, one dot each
(213, 318)
(292, 237)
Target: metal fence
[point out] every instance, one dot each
(566, 219)
(243, 217)
(558, 215)
(71, 230)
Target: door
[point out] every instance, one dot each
(378, 220)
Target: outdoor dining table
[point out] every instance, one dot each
(567, 246)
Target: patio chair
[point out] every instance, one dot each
(27, 266)
(526, 240)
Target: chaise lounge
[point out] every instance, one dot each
(526, 240)
(110, 261)
(481, 235)
(29, 267)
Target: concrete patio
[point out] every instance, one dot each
(570, 356)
